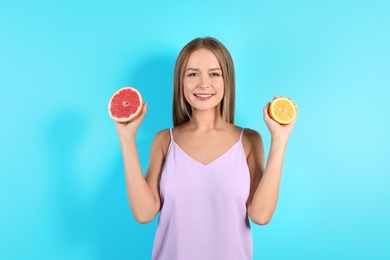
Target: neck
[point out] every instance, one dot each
(207, 120)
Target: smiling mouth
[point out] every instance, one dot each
(203, 97)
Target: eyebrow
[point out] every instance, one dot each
(198, 69)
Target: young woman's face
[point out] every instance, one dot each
(203, 81)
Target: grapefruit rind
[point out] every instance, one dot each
(132, 116)
(282, 110)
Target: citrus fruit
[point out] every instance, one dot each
(125, 105)
(282, 110)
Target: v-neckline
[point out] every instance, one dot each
(212, 161)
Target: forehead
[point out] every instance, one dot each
(203, 58)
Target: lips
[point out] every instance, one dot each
(203, 97)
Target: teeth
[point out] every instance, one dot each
(203, 95)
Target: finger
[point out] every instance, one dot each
(266, 106)
(144, 110)
(265, 110)
(143, 113)
(118, 124)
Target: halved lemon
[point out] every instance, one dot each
(282, 110)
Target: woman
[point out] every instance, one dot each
(206, 175)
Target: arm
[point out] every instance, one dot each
(265, 182)
(142, 192)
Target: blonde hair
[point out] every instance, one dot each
(181, 108)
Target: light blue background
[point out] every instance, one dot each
(62, 192)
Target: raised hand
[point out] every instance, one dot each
(129, 130)
(277, 130)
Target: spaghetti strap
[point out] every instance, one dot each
(170, 133)
(242, 132)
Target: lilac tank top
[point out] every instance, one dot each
(204, 214)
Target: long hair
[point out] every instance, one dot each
(182, 112)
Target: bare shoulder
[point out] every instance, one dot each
(251, 134)
(161, 141)
(162, 136)
(250, 139)
(158, 153)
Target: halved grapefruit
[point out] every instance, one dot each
(125, 105)
(282, 110)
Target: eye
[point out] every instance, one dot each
(193, 74)
(214, 74)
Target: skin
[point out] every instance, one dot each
(204, 89)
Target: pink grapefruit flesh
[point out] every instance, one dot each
(125, 105)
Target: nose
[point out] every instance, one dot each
(203, 86)
(203, 82)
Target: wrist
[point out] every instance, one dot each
(127, 138)
(279, 138)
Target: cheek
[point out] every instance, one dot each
(221, 88)
(187, 95)
(186, 86)
(186, 90)
(190, 82)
